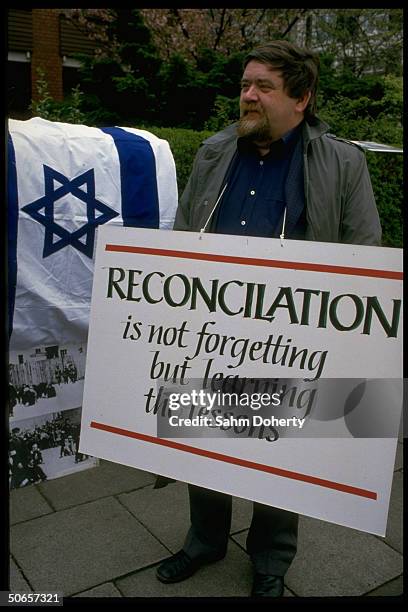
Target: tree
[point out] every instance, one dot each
(361, 40)
(122, 76)
(97, 25)
(228, 31)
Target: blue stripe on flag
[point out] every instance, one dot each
(12, 220)
(140, 200)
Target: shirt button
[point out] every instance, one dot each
(261, 163)
(243, 222)
(252, 192)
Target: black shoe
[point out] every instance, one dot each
(266, 585)
(180, 566)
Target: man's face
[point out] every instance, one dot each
(266, 110)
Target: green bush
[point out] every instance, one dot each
(225, 111)
(184, 145)
(378, 120)
(68, 111)
(386, 172)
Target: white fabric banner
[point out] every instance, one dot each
(70, 179)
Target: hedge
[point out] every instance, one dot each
(184, 145)
(386, 170)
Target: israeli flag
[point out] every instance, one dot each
(63, 182)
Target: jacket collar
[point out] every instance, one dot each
(313, 129)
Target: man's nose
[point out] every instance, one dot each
(250, 94)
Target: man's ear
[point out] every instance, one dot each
(302, 102)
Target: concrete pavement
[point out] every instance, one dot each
(102, 532)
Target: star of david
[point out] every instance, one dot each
(83, 188)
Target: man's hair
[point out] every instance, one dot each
(299, 68)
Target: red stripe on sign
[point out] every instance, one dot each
(251, 261)
(329, 484)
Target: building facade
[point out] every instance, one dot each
(41, 41)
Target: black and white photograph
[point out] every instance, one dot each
(45, 379)
(45, 447)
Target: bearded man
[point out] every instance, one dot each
(277, 172)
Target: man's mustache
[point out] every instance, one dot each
(250, 108)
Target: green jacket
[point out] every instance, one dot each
(340, 204)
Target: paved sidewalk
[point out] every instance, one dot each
(103, 531)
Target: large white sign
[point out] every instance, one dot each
(171, 309)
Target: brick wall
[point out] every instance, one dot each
(46, 51)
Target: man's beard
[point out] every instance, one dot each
(257, 129)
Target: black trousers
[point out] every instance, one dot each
(272, 537)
